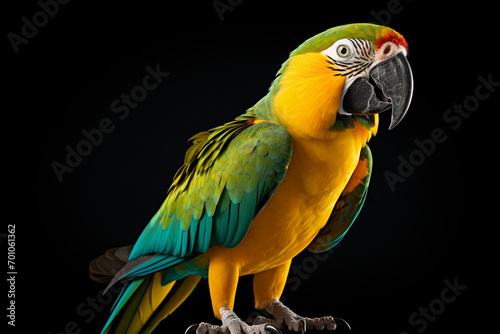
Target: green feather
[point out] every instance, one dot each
(128, 291)
(215, 204)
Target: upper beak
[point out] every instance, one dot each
(390, 85)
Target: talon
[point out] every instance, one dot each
(192, 328)
(303, 326)
(272, 329)
(345, 323)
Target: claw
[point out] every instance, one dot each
(304, 326)
(272, 329)
(345, 323)
(192, 328)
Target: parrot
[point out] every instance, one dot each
(290, 173)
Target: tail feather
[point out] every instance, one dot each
(114, 265)
(145, 303)
(148, 296)
(178, 297)
(105, 267)
(125, 320)
(127, 291)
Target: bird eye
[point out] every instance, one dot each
(343, 51)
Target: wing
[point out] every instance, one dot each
(347, 207)
(228, 174)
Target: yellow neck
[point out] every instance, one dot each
(309, 96)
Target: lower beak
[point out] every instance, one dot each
(389, 86)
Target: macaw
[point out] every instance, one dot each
(290, 173)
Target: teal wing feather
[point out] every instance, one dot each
(228, 174)
(347, 207)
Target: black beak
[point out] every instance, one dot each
(390, 85)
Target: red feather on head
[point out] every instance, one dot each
(394, 38)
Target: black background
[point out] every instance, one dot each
(434, 226)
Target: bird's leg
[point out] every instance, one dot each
(284, 316)
(232, 324)
(223, 280)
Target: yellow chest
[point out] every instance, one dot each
(305, 102)
(300, 207)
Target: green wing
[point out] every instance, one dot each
(228, 175)
(347, 207)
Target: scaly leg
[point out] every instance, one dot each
(284, 316)
(268, 287)
(232, 324)
(223, 280)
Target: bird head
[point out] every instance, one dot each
(342, 77)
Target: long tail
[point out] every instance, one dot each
(143, 302)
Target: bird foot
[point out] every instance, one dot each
(232, 324)
(284, 316)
